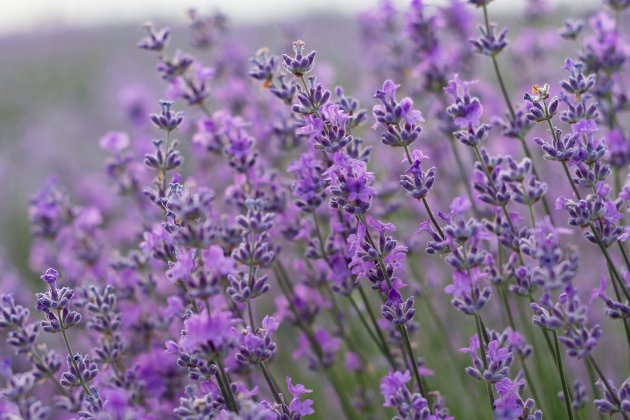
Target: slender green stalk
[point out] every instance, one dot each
(227, 382)
(565, 386)
(250, 315)
(348, 409)
(277, 395)
(618, 296)
(532, 215)
(320, 237)
(402, 328)
(412, 361)
(601, 375)
(462, 173)
(228, 400)
(368, 309)
(380, 341)
(228, 389)
(434, 221)
(592, 380)
(382, 346)
(71, 354)
(287, 290)
(482, 342)
(508, 310)
(38, 358)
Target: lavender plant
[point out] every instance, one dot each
(260, 253)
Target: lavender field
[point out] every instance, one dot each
(417, 212)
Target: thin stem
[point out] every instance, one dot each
(403, 328)
(368, 308)
(594, 364)
(424, 200)
(71, 354)
(618, 296)
(250, 315)
(462, 173)
(348, 410)
(565, 386)
(508, 310)
(528, 154)
(320, 237)
(547, 339)
(227, 399)
(432, 217)
(277, 396)
(532, 215)
(624, 254)
(228, 388)
(592, 380)
(287, 290)
(38, 358)
(381, 346)
(413, 361)
(482, 343)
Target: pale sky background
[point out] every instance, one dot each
(28, 15)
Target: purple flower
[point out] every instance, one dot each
(301, 408)
(392, 383)
(206, 332)
(299, 64)
(466, 110)
(350, 184)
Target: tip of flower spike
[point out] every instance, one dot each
(165, 105)
(540, 93)
(50, 276)
(298, 45)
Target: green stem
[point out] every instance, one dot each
(372, 317)
(424, 201)
(508, 310)
(565, 386)
(432, 217)
(545, 203)
(320, 237)
(403, 329)
(412, 357)
(228, 388)
(482, 344)
(250, 315)
(463, 174)
(71, 354)
(277, 396)
(348, 410)
(601, 375)
(38, 358)
(592, 380)
(532, 216)
(379, 343)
